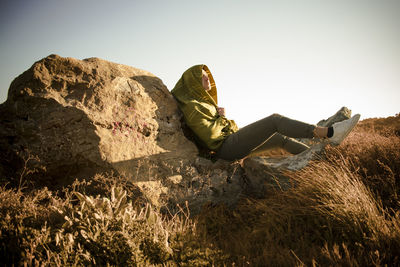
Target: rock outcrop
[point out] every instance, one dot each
(270, 173)
(67, 118)
(76, 118)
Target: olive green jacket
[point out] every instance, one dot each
(199, 108)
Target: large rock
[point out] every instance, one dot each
(267, 173)
(66, 118)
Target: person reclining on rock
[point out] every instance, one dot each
(196, 95)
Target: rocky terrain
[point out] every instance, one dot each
(75, 118)
(98, 168)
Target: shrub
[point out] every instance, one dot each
(23, 224)
(39, 228)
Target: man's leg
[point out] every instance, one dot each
(240, 144)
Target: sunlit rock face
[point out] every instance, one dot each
(75, 113)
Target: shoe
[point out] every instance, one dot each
(342, 129)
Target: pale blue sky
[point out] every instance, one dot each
(303, 59)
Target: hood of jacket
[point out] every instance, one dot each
(199, 108)
(190, 87)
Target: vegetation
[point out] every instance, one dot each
(344, 210)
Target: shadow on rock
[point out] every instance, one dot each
(48, 143)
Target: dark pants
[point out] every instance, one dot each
(271, 132)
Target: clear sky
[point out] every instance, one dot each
(302, 59)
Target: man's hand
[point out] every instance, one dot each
(221, 111)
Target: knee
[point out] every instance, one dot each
(276, 116)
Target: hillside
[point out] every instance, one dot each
(98, 169)
(383, 126)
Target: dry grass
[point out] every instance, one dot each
(79, 229)
(375, 157)
(331, 218)
(344, 211)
